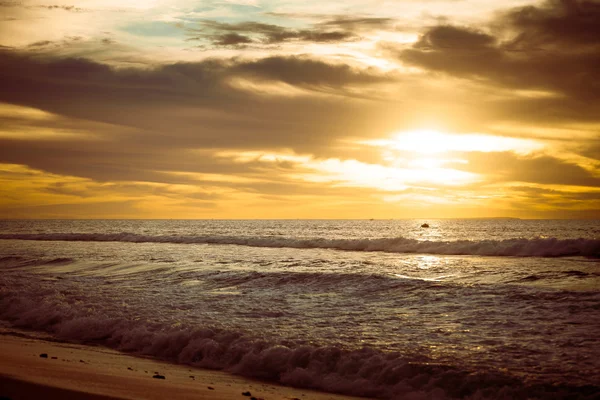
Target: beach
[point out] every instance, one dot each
(72, 371)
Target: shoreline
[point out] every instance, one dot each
(81, 372)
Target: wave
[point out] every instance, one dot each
(359, 372)
(540, 247)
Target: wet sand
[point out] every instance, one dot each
(35, 369)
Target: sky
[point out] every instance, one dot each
(296, 109)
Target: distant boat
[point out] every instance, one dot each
(425, 225)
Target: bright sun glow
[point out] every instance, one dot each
(354, 173)
(434, 142)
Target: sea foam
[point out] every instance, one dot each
(540, 247)
(360, 372)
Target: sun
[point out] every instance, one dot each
(424, 141)
(430, 142)
(433, 158)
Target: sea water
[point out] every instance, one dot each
(381, 308)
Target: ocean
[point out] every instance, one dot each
(475, 309)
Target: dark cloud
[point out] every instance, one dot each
(148, 121)
(64, 189)
(590, 148)
(454, 38)
(131, 189)
(54, 45)
(61, 7)
(230, 39)
(353, 23)
(326, 36)
(34, 81)
(116, 172)
(226, 34)
(539, 169)
(556, 195)
(548, 203)
(114, 209)
(41, 43)
(358, 24)
(559, 24)
(46, 6)
(554, 47)
(119, 159)
(298, 71)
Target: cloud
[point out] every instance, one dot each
(40, 82)
(358, 23)
(10, 4)
(539, 169)
(41, 43)
(554, 47)
(558, 24)
(228, 34)
(164, 128)
(454, 38)
(556, 195)
(111, 123)
(590, 149)
(348, 22)
(62, 7)
(544, 203)
(230, 39)
(305, 71)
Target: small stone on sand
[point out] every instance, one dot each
(44, 355)
(210, 388)
(158, 376)
(246, 394)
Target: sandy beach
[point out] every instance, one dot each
(36, 369)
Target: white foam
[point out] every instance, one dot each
(541, 247)
(64, 311)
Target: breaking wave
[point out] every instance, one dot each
(541, 247)
(360, 372)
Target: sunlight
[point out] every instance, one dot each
(428, 142)
(354, 173)
(358, 174)
(22, 112)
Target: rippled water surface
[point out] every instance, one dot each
(463, 309)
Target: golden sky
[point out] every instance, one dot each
(296, 109)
